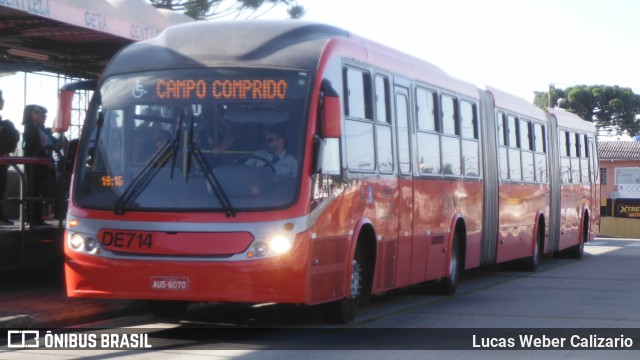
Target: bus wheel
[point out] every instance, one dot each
(577, 251)
(534, 260)
(344, 311)
(448, 285)
(168, 309)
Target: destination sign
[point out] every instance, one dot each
(241, 89)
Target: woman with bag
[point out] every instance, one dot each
(41, 178)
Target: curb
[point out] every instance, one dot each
(72, 314)
(16, 321)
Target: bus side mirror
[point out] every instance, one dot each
(331, 117)
(65, 102)
(331, 113)
(63, 120)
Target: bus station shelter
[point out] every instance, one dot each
(74, 37)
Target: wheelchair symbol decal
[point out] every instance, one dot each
(138, 91)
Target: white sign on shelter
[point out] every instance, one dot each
(628, 182)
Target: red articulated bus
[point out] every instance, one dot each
(293, 162)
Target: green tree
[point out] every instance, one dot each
(212, 9)
(611, 107)
(541, 98)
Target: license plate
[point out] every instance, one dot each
(170, 283)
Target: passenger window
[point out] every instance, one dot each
(512, 128)
(525, 135)
(501, 124)
(359, 127)
(383, 126)
(563, 143)
(578, 146)
(429, 153)
(402, 117)
(426, 110)
(468, 120)
(540, 140)
(449, 122)
(359, 143)
(382, 99)
(357, 94)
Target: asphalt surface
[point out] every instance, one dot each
(37, 298)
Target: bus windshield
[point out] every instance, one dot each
(194, 140)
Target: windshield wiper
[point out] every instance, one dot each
(145, 175)
(93, 142)
(194, 150)
(149, 171)
(177, 141)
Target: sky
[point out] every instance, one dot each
(519, 46)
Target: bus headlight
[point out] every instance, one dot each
(80, 243)
(91, 245)
(279, 245)
(271, 246)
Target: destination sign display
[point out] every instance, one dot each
(236, 89)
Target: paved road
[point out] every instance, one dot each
(564, 298)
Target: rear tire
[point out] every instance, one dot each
(576, 252)
(534, 260)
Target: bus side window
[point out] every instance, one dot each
(358, 125)
(515, 167)
(469, 134)
(503, 162)
(384, 145)
(526, 143)
(428, 137)
(357, 94)
(540, 156)
(451, 158)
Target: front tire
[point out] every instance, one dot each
(344, 310)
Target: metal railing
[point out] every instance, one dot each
(23, 199)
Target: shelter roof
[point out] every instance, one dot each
(619, 150)
(74, 37)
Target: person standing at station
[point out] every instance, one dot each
(41, 178)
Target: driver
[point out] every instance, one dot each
(285, 164)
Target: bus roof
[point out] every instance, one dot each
(516, 104)
(290, 44)
(280, 44)
(571, 120)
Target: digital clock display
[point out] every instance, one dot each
(109, 181)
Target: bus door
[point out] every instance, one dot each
(405, 188)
